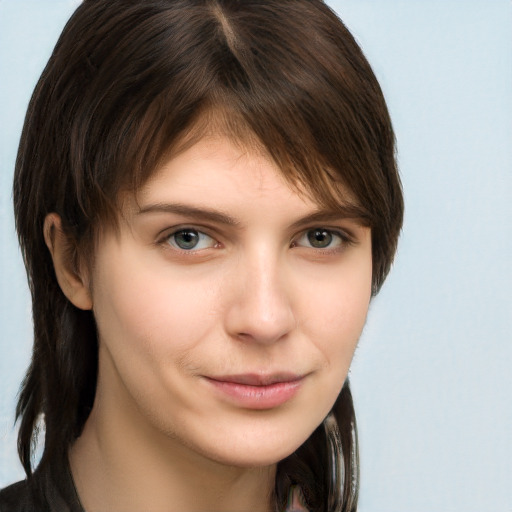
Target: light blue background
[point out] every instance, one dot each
(431, 377)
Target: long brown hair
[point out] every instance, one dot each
(130, 79)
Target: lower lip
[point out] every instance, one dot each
(257, 397)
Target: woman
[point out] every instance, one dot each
(206, 197)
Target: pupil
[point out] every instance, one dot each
(319, 238)
(187, 239)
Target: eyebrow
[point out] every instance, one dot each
(347, 211)
(190, 211)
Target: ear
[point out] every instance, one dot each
(73, 285)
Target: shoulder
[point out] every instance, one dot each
(18, 497)
(42, 492)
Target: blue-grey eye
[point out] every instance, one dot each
(320, 238)
(188, 239)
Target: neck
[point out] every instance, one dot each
(121, 463)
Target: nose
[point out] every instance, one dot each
(261, 309)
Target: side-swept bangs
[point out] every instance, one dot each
(120, 92)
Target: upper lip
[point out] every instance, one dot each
(256, 379)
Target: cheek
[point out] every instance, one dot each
(337, 313)
(149, 326)
(148, 312)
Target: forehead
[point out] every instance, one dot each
(305, 169)
(229, 181)
(220, 137)
(218, 171)
(214, 158)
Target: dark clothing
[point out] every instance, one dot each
(45, 491)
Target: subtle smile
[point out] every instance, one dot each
(259, 392)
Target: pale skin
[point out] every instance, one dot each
(219, 268)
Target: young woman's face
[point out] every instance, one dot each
(228, 307)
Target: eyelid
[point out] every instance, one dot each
(165, 235)
(346, 238)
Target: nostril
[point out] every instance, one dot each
(247, 325)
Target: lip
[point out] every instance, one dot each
(254, 391)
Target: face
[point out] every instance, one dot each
(228, 306)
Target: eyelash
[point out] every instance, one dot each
(344, 239)
(167, 240)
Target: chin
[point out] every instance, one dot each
(258, 459)
(258, 452)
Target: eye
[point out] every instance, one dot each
(321, 238)
(188, 239)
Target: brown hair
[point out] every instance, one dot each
(127, 81)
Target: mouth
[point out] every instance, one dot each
(255, 391)
(253, 379)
